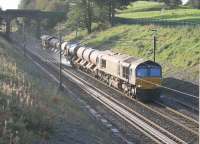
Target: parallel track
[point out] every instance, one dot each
(156, 132)
(193, 108)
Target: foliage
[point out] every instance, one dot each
(84, 13)
(194, 3)
(46, 5)
(81, 13)
(173, 3)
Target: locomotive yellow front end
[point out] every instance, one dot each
(148, 81)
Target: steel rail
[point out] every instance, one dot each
(179, 113)
(184, 104)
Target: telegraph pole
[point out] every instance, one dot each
(154, 44)
(60, 65)
(24, 39)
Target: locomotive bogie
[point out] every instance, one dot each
(148, 95)
(115, 84)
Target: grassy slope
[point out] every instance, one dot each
(55, 105)
(178, 47)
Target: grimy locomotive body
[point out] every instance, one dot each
(136, 77)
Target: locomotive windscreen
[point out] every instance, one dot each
(155, 72)
(148, 71)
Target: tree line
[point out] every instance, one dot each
(84, 13)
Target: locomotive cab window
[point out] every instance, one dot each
(151, 71)
(103, 63)
(142, 72)
(155, 72)
(125, 72)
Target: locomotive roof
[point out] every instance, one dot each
(131, 59)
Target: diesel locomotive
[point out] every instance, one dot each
(136, 77)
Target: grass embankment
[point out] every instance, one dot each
(178, 48)
(31, 107)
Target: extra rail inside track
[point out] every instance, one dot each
(152, 130)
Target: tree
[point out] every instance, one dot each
(194, 3)
(27, 4)
(108, 8)
(173, 3)
(81, 15)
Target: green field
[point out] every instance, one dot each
(178, 47)
(153, 10)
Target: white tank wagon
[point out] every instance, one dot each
(64, 48)
(87, 53)
(134, 76)
(45, 40)
(80, 52)
(64, 45)
(54, 43)
(94, 55)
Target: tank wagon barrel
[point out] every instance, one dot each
(87, 53)
(93, 56)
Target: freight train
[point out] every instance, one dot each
(136, 77)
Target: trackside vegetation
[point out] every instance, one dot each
(32, 110)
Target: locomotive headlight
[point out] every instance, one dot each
(139, 86)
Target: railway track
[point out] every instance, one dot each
(155, 131)
(180, 120)
(160, 109)
(193, 108)
(186, 121)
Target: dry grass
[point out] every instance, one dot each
(21, 111)
(37, 110)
